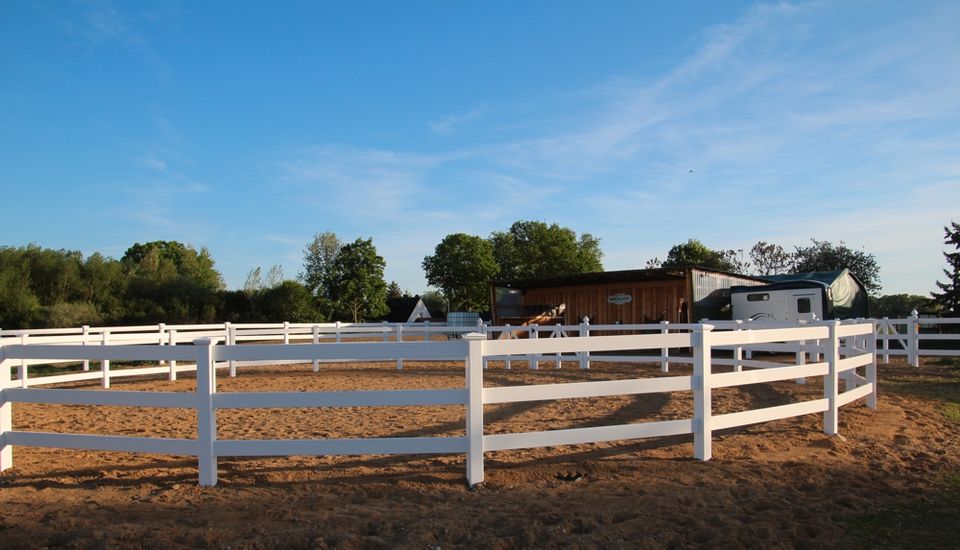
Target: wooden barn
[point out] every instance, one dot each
(678, 295)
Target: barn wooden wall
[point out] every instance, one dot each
(652, 301)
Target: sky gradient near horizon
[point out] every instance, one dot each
(247, 128)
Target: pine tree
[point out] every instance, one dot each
(949, 299)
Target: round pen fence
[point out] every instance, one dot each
(832, 351)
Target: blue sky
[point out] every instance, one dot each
(248, 127)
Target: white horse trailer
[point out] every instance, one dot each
(783, 304)
(801, 296)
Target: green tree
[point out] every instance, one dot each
(436, 302)
(948, 299)
(825, 256)
(171, 282)
(318, 259)
(694, 253)
(531, 249)
(355, 282)
(394, 291)
(19, 306)
(462, 266)
(770, 259)
(898, 306)
(288, 301)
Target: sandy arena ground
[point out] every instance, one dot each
(780, 484)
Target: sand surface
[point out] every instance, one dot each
(779, 484)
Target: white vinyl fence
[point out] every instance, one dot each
(836, 352)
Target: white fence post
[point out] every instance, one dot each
(231, 336)
(482, 329)
(316, 340)
(6, 416)
(749, 351)
(559, 356)
(22, 369)
(286, 332)
(400, 339)
(206, 413)
(885, 330)
(161, 328)
(509, 335)
(872, 367)
(664, 352)
(534, 332)
(801, 355)
(337, 333)
(105, 363)
(830, 381)
(475, 344)
(584, 333)
(702, 393)
(173, 362)
(913, 332)
(85, 331)
(738, 351)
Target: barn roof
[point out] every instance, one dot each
(825, 277)
(609, 277)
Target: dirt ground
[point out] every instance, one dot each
(779, 484)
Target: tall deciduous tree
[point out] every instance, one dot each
(825, 256)
(948, 299)
(355, 281)
(171, 282)
(462, 266)
(531, 249)
(695, 253)
(769, 258)
(318, 258)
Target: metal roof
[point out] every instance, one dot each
(611, 277)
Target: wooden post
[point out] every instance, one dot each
(830, 382)
(664, 352)
(585, 333)
(337, 332)
(702, 393)
(6, 415)
(316, 340)
(286, 332)
(206, 413)
(475, 343)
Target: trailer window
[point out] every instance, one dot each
(803, 305)
(758, 297)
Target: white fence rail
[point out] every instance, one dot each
(844, 348)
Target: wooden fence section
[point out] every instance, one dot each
(844, 348)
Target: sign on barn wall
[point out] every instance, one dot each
(620, 299)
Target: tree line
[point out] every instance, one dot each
(171, 282)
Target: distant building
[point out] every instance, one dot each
(678, 295)
(407, 310)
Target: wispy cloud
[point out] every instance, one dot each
(446, 125)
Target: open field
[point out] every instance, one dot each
(890, 478)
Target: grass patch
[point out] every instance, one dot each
(919, 523)
(933, 523)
